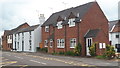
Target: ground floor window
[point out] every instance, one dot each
(102, 45)
(117, 46)
(60, 43)
(72, 42)
(51, 42)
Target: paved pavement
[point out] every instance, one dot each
(40, 59)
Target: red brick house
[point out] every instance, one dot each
(86, 24)
(7, 38)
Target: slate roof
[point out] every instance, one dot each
(92, 33)
(9, 32)
(81, 10)
(115, 25)
(111, 24)
(27, 29)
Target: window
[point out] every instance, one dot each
(59, 24)
(46, 28)
(18, 44)
(71, 22)
(30, 34)
(10, 36)
(30, 42)
(117, 36)
(117, 45)
(72, 43)
(102, 45)
(30, 47)
(51, 42)
(45, 43)
(18, 36)
(22, 36)
(60, 43)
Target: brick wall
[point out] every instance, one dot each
(93, 19)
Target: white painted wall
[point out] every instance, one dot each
(112, 37)
(37, 36)
(35, 40)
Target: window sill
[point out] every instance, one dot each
(60, 47)
(59, 28)
(72, 47)
(72, 26)
(46, 46)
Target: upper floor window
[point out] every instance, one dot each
(72, 42)
(22, 36)
(10, 36)
(46, 28)
(18, 36)
(30, 34)
(60, 43)
(117, 36)
(71, 22)
(59, 24)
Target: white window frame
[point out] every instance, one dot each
(46, 28)
(72, 45)
(59, 25)
(46, 43)
(60, 43)
(71, 22)
(102, 45)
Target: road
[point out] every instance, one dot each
(40, 59)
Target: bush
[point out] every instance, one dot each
(70, 53)
(61, 53)
(55, 53)
(109, 52)
(101, 57)
(78, 49)
(42, 49)
(92, 49)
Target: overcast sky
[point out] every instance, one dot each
(15, 12)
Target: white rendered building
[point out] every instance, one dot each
(114, 34)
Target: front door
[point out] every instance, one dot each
(88, 44)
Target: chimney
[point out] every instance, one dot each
(41, 19)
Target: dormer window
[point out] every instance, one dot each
(46, 28)
(71, 22)
(59, 25)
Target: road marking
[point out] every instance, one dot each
(38, 62)
(8, 62)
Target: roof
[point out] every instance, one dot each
(81, 10)
(114, 26)
(92, 33)
(9, 32)
(111, 24)
(27, 29)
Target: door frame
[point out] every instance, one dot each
(89, 42)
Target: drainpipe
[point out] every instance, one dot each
(78, 33)
(54, 39)
(65, 39)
